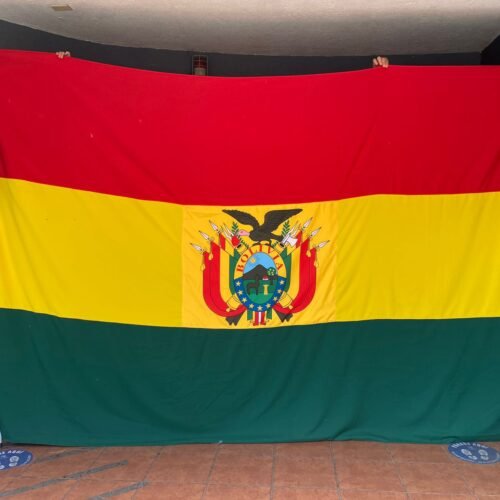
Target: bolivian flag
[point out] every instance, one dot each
(187, 259)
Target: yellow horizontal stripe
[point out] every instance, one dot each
(84, 255)
(99, 257)
(419, 257)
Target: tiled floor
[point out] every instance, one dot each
(346, 470)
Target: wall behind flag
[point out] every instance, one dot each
(13, 36)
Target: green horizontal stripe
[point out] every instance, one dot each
(72, 382)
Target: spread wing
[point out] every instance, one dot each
(276, 217)
(243, 218)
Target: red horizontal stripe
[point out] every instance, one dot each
(232, 141)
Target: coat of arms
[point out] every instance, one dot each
(260, 266)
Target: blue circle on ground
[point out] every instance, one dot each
(475, 453)
(9, 459)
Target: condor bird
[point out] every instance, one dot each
(262, 232)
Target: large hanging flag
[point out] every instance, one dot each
(248, 259)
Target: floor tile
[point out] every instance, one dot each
(5, 482)
(483, 479)
(190, 451)
(372, 495)
(181, 466)
(430, 453)
(11, 474)
(135, 468)
(157, 491)
(439, 496)
(42, 464)
(40, 451)
(432, 478)
(305, 494)
(196, 450)
(361, 450)
(315, 449)
(89, 488)
(304, 471)
(60, 465)
(125, 452)
(55, 491)
(223, 492)
(368, 475)
(243, 470)
(247, 449)
(493, 444)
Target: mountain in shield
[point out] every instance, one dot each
(257, 272)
